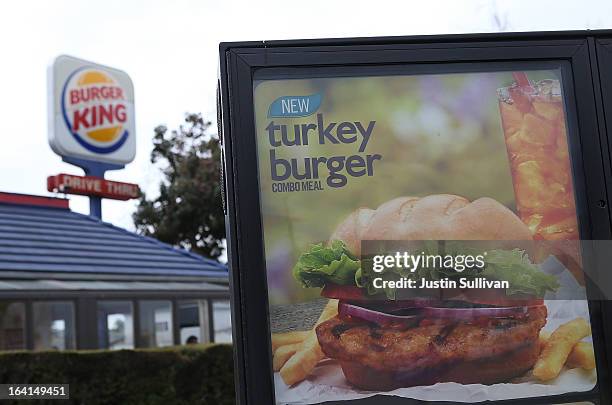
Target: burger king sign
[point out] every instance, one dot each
(91, 112)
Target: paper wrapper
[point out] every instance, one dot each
(327, 383)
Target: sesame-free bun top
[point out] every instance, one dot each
(435, 217)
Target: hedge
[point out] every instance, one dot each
(194, 374)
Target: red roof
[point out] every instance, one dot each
(36, 200)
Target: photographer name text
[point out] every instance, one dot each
(445, 283)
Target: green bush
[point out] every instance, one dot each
(195, 374)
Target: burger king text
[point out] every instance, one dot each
(97, 114)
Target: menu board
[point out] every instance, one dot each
(403, 157)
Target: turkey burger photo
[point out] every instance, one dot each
(385, 339)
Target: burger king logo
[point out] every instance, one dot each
(95, 110)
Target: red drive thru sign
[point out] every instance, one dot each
(92, 186)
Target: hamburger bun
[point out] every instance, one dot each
(435, 217)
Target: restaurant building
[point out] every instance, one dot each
(72, 281)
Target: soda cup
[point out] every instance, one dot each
(533, 122)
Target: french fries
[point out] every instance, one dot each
(298, 367)
(582, 356)
(287, 338)
(283, 353)
(305, 359)
(558, 347)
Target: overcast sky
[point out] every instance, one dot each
(170, 49)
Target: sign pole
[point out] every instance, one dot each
(95, 207)
(95, 169)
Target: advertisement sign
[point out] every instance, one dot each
(419, 219)
(91, 111)
(416, 157)
(92, 186)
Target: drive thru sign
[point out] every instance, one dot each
(89, 185)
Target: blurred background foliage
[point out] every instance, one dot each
(436, 134)
(187, 212)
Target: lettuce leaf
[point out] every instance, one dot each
(523, 276)
(322, 264)
(335, 263)
(512, 265)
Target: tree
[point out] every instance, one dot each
(188, 211)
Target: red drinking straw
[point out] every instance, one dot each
(521, 79)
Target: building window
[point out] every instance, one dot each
(155, 324)
(53, 323)
(12, 325)
(222, 321)
(115, 325)
(193, 321)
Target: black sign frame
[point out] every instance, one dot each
(589, 99)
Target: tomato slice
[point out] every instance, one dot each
(343, 292)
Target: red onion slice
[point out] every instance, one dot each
(380, 318)
(417, 313)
